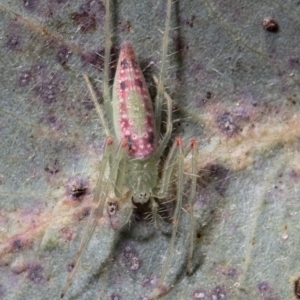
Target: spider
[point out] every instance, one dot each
(133, 147)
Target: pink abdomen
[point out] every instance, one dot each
(132, 107)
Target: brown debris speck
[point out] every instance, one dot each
(270, 24)
(297, 288)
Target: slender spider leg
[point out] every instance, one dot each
(161, 148)
(120, 176)
(180, 157)
(161, 89)
(106, 89)
(154, 209)
(119, 182)
(167, 136)
(162, 74)
(97, 105)
(195, 154)
(108, 43)
(176, 157)
(101, 192)
(161, 192)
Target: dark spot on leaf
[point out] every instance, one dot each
(241, 114)
(130, 258)
(270, 24)
(226, 124)
(17, 245)
(180, 46)
(35, 273)
(264, 288)
(30, 5)
(149, 282)
(47, 89)
(88, 103)
(115, 297)
(190, 22)
(219, 293)
(208, 95)
(93, 6)
(70, 267)
(294, 174)
(292, 100)
(231, 272)
(85, 21)
(63, 55)
(67, 233)
(24, 78)
(2, 291)
(53, 168)
(13, 42)
(294, 62)
(94, 58)
(39, 69)
(84, 213)
(125, 27)
(50, 119)
(218, 176)
(90, 14)
(77, 187)
(123, 85)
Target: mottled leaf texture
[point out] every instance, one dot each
(234, 78)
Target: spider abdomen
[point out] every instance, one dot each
(132, 107)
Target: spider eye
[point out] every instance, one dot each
(143, 196)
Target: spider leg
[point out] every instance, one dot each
(97, 105)
(106, 90)
(163, 143)
(119, 182)
(121, 192)
(162, 73)
(195, 154)
(162, 191)
(100, 195)
(176, 157)
(154, 208)
(108, 43)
